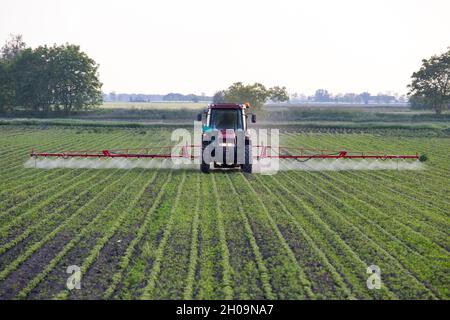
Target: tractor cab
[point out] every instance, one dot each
(224, 116)
(225, 136)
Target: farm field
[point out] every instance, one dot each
(180, 234)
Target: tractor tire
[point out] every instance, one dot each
(204, 167)
(247, 166)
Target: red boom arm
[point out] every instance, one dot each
(261, 152)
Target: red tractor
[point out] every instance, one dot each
(226, 141)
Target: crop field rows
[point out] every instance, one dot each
(180, 234)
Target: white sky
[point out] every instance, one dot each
(205, 45)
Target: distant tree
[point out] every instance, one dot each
(32, 77)
(192, 97)
(174, 97)
(12, 47)
(321, 95)
(219, 97)
(74, 79)
(6, 87)
(58, 77)
(8, 53)
(349, 98)
(256, 94)
(278, 94)
(430, 86)
(365, 96)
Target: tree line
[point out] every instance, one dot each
(323, 95)
(141, 97)
(58, 78)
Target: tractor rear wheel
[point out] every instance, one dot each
(204, 167)
(246, 168)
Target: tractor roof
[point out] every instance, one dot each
(227, 106)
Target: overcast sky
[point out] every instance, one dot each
(202, 46)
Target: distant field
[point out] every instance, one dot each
(313, 116)
(154, 105)
(171, 234)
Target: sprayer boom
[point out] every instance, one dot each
(150, 152)
(259, 152)
(306, 153)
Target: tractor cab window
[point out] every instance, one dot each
(225, 119)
